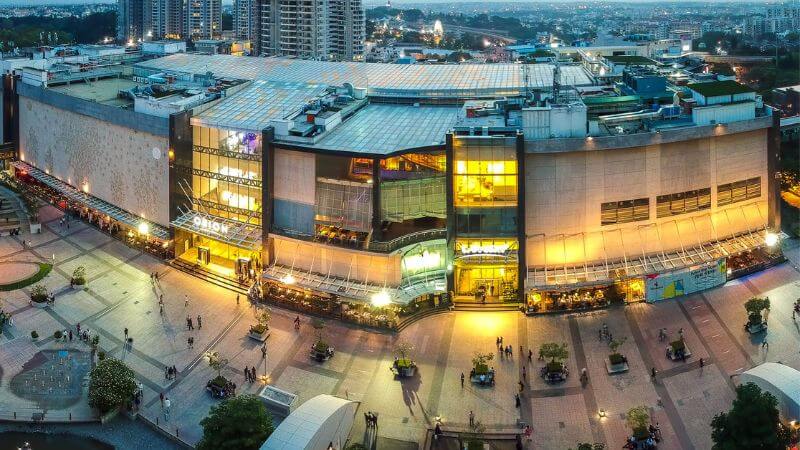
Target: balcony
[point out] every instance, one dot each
(408, 239)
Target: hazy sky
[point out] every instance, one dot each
(368, 2)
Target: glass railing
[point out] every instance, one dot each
(408, 239)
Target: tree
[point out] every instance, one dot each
(480, 360)
(216, 362)
(404, 349)
(237, 423)
(638, 418)
(615, 344)
(554, 351)
(111, 385)
(752, 423)
(754, 306)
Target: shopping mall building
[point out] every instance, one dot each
(390, 184)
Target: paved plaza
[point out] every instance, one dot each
(120, 295)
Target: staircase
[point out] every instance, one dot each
(199, 272)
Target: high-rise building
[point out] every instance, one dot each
(203, 19)
(311, 29)
(244, 19)
(130, 20)
(163, 19)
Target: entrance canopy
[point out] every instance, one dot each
(120, 215)
(220, 229)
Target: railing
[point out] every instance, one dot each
(37, 415)
(408, 239)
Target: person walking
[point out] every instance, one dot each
(524, 374)
(161, 397)
(653, 374)
(702, 363)
(764, 343)
(253, 372)
(517, 401)
(471, 419)
(521, 386)
(264, 350)
(185, 300)
(167, 404)
(126, 334)
(70, 335)
(199, 322)
(189, 323)
(237, 299)
(462, 379)
(166, 372)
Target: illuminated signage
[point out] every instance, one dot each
(423, 261)
(205, 224)
(478, 248)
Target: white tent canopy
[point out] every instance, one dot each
(317, 423)
(781, 381)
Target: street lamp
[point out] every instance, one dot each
(771, 239)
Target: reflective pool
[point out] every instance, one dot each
(13, 440)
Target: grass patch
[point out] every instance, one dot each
(44, 270)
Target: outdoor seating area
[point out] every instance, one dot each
(749, 261)
(329, 305)
(581, 299)
(483, 378)
(339, 236)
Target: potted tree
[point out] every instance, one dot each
(403, 366)
(638, 418)
(481, 373)
(677, 350)
(321, 350)
(78, 280)
(219, 386)
(39, 296)
(474, 438)
(555, 370)
(260, 331)
(616, 363)
(111, 385)
(754, 307)
(34, 335)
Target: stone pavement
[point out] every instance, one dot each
(683, 399)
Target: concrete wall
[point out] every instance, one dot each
(123, 166)
(565, 190)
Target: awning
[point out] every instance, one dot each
(355, 290)
(120, 215)
(220, 229)
(606, 272)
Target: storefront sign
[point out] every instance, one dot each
(686, 281)
(206, 224)
(423, 261)
(477, 248)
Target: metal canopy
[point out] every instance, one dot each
(220, 229)
(120, 215)
(636, 265)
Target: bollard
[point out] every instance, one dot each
(70, 416)
(177, 434)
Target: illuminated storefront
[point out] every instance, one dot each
(484, 239)
(222, 231)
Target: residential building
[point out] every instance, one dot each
(130, 20)
(203, 19)
(244, 19)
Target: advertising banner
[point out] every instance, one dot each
(686, 281)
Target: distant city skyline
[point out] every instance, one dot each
(379, 2)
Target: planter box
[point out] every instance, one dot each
(36, 228)
(755, 328)
(615, 368)
(277, 399)
(39, 305)
(674, 357)
(404, 371)
(260, 337)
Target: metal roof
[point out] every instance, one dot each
(253, 107)
(385, 80)
(384, 129)
(717, 88)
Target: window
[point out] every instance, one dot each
(738, 191)
(683, 202)
(624, 211)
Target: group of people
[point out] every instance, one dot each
(250, 374)
(371, 419)
(648, 443)
(506, 350)
(170, 372)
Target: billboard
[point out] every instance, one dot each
(685, 281)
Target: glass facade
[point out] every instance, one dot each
(485, 201)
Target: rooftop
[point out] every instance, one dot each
(717, 88)
(101, 91)
(384, 80)
(385, 129)
(631, 60)
(255, 106)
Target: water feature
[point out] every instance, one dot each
(14, 440)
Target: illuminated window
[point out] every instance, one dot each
(738, 191)
(485, 172)
(624, 211)
(683, 202)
